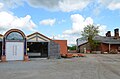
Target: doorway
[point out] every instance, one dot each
(14, 50)
(37, 49)
(14, 45)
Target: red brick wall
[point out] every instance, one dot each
(114, 46)
(63, 46)
(105, 47)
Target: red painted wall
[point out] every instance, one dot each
(63, 46)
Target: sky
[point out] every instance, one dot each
(59, 19)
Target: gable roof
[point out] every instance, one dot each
(83, 43)
(37, 37)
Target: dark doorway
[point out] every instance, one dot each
(0, 49)
(37, 49)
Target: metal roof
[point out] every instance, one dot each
(107, 40)
(101, 39)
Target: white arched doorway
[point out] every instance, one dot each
(14, 45)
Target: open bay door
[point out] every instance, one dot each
(37, 45)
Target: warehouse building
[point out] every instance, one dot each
(15, 45)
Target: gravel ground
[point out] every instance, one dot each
(93, 66)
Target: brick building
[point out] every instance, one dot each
(107, 44)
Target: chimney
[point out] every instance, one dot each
(108, 34)
(116, 33)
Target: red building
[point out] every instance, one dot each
(107, 44)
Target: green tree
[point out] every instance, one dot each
(72, 47)
(89, 32)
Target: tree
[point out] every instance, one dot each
(72, 47)
(89, 32)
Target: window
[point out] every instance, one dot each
(14, 36)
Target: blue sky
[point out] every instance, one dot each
(61, 19)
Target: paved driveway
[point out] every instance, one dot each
(93, 66)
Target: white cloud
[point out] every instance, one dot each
(47, 4)
(72, 5)
(110, 4)
(62, 5)
(78, 24)
(102, 29)
(104, 2)
(50, 22)
(12, 3)
(8, 21)
(114, 6)
(71, 39)
(1, 5)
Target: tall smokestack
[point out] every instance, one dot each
(116, 33)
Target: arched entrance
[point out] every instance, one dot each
(14, 45)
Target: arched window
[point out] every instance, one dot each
(14, 36)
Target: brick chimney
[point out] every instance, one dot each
(116, 33)
(108, 34)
